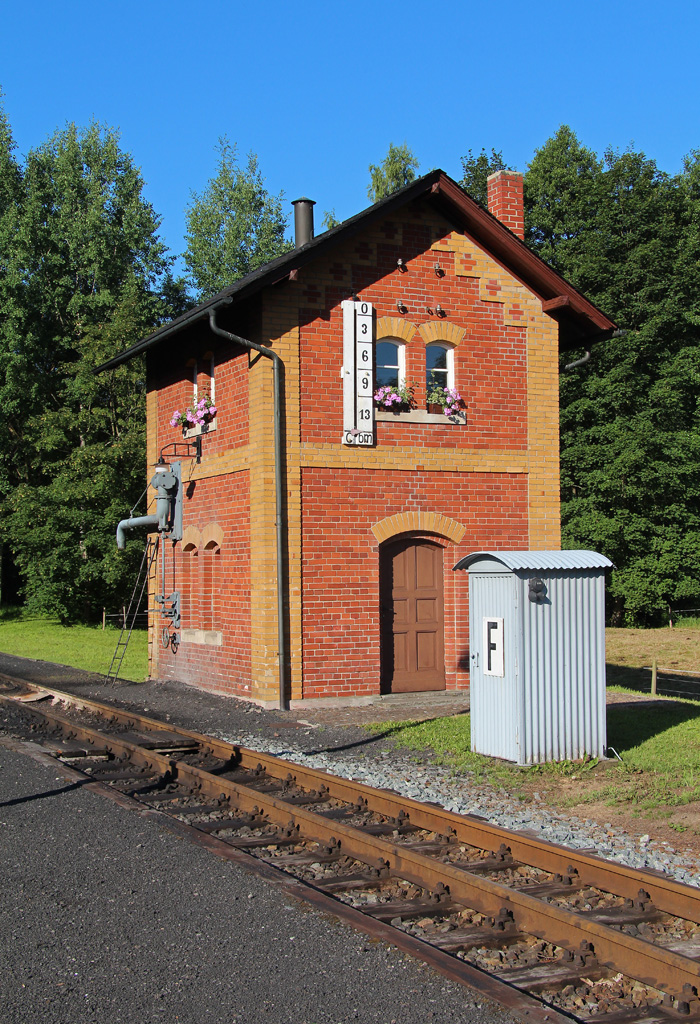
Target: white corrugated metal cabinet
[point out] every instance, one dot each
(537, 654)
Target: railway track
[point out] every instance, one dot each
(549, 932)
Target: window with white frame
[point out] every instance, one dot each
(439, 368)
(390, 364)
(203, 387)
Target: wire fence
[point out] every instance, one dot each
(140, 621)
(667, 683)
(683, 616)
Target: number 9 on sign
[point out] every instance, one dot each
(364, 383)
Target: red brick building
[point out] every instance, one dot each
(352, 533)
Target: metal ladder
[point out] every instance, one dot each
(129, 620)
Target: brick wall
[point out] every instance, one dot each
(211, 566)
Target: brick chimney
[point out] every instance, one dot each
(505, 200)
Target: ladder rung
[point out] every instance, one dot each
(144, 573)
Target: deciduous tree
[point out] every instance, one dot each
(476, 170)
(85, 268)
(234, 226)
(398, 168)
(626, 234)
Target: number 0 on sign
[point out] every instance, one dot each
(358, 373)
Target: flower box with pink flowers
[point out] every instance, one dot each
(198, 418)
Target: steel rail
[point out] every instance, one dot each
(651, 964)
(667, 895)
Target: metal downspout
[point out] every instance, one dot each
(276, 364)
(601, 336)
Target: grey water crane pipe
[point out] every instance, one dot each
(277, 428)
(166, 484)
(132, 524)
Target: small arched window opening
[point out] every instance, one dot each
(211, 583)
(390, 364)
(439, 366)
(190, 573)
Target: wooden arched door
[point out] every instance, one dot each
(412, 617)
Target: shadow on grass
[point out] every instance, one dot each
(667, 684)
(10, 613)
(633, 724)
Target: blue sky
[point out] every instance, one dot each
(319, 89)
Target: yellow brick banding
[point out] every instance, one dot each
(236, 460)
(434, 460)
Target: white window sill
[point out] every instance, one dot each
(204, 428)
(420, 416)
(208, 637)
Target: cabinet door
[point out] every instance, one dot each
(493, 693)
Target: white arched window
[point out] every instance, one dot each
(439, 367)
(390, 363)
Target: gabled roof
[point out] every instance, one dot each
(580, 321)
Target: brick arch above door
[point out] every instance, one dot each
(429, 522)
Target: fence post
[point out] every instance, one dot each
(654, 669)
(103, 619)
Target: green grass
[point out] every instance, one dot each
(447, 739)
(659, 746)
(84, 647)
(687, 622)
